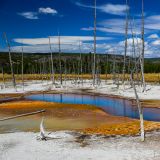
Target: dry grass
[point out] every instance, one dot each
(150, 77)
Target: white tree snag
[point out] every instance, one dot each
(42, 131)
(126, 41)
(52, 67)
(10, 61)
(22, 69)
(45, 135)
(60, 61)
(3, 77)
(81, 63)
(143, 48)
(140, 109)
(95, 48)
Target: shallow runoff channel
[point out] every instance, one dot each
(113, 106)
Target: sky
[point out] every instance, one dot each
(30, 23)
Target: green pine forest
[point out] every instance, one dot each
(40, 63)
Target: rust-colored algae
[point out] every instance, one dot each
(151, 103)
(91, 119)
(127, 128)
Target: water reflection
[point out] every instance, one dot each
(118, 107)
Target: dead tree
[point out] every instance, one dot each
(98, 80)
(126, 41)
(106, 68)
(135, 62)
(81, 63)
(95, 48)
(143, 49)
(23, 115)
(114, 69)
(10, 61)
(3, 77)
(60, 61)
(40, 70)
(52, 67)
(140, 109)
(65, 72)
(22, 69)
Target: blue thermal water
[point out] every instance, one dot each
(113, 106)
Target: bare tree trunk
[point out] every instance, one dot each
(126, 41)
(143, 48)
(52, 67)
(60, 65)
(41, 70)
(114, 69)
(135, 62)
(23, 115)
(65, 77)
(140, 109)
(81, 64)
(95, 48)
(98, 81)
(10, 61)
(106, 70)
(81, 70)
(4, 86)
(22, 69)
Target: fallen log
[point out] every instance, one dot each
(23, 115)
(4, 100)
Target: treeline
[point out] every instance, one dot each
(152, 65)
(71, 63)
